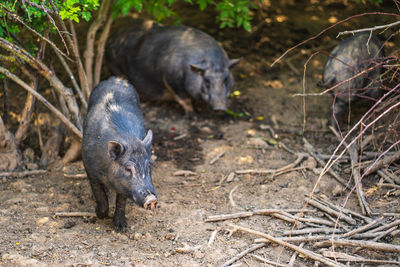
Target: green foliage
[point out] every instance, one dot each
(232, 13)
(73, 9)
(370, 1)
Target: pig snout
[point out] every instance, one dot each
(218, 104)
(150, 202)
(219, 107)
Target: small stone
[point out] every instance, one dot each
(310, 163)
(337, 191)
(257, 142)
(69, 224)
(137, 236)
(170, 236)
(198, 254)
(230, 178)
(43, 220)
(205, 130)
(148, 236)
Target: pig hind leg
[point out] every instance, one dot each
(339, 108)
(119, 219)
(100, 195)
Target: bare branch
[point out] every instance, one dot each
(386, 26)
(73, 80)
(20, 20)
(49, 75)
(88, 55)
(100, 50)
(43, 100)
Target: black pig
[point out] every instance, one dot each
(116, 150)
(172, 60)
(350, 57)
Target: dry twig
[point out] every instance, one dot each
(358, 243)
(22, 174)
(217, 157)
(75, 214)
(300, 157)
(242, 254)
(268, 261)
(305, 252)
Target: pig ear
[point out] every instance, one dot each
(148, 139)
(115, 149)
(197, 68)
(234, 62)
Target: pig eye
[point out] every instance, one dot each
(207, 83)
(128, 170)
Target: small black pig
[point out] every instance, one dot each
(116, 149)
(180, 61)
(350, 57)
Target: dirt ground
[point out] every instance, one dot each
(31, 234)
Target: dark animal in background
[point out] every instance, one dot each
(172, 60)
(350, 57)
(116, 149)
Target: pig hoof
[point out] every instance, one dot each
(119, 224)
(101, 213)
(150, 202)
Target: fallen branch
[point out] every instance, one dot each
(187, 249)
(340, 256)
(217, 157)
(307, 231)
(386, 177)
(300, 157)
(223, 217)
(268, 261)
(231, 196)
(22, 174)
(305, 252)
(294, 256)
(212, 237)
(342, 209)
(75, 176)
(382, 162)
(352, 150)
(310, 149)
(358, 243)
(363, 228)
(75, 214)
(242, 254)
(184, 173)
(330, 211)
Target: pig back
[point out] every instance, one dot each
(113, 115)
(350, 57)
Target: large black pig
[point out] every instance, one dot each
(116, 149)
(177, 61)
(349, 58)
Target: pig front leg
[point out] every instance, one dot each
(119, 219)
(100, 195)
(186, 103)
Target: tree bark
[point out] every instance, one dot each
(101, 46)
(10, 156)
(50, 76)
(65, 120)
(88, 55)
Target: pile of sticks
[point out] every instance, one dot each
(319, 239)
